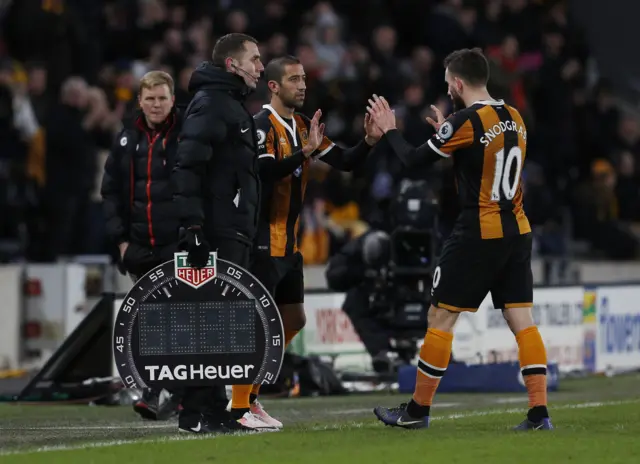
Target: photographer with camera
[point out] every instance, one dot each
(348, 271)
(387, 277)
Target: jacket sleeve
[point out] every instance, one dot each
(346, 159)
(455, 133)
(202, 129)
(115, 211)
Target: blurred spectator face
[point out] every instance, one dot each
(493, 9)
(199, 38)
(384, 39)
(307, 34)
(274, 10)
(74, 92)
(627, 164)
(291, 89)
(359, 54)
(156, 103)
(331, 35)
(323, 8)
(178, 16)
(153, 11)
(107, 75)
(456, 88)
(422, 59)
(37, 80)
(467, 18)
(237, 21)
(6, 77)
(558, 14)
(629, 129)
(97, 100)
(278, 45)
(516, 5)
(604, 100)
(414, 95)
(173, 41)
(554, 42)
(249, 62)
(183, 79)
(307, 56)
(510, 47)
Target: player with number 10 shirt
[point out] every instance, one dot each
(489, 249)
(489, 139)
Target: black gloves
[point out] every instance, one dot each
(192, 241)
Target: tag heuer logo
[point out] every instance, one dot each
(191, 276)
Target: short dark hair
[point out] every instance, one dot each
(229, 45)
(470, 65)
(276, 68)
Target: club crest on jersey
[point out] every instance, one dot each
(304, 135)
(446, 130)
(191, 276)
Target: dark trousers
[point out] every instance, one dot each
(374, 335)
(214, 399)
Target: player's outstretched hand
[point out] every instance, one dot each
(440, 119)
(381, 113)
(316, 134)
(371, 130)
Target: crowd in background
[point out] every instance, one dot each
(69, 71)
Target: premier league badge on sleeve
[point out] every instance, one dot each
(180, 326)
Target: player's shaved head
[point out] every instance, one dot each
(277, 68)
(470, 65)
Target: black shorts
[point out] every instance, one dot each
(469, 269)
(282, 277)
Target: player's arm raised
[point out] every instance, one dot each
(271, 168)
(452, 134)
(346, 159)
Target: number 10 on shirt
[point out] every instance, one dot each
(501, 179)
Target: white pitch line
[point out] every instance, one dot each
(346, 412)
(104, 444)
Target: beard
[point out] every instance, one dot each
(458, 102)
(292, 102)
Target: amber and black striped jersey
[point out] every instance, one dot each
(284, 173)
(488, 142)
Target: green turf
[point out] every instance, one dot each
(597, 420)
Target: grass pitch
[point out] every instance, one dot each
(597, 421)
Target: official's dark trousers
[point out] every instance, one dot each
(214, 399)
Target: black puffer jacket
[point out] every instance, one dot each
(136, 188)
(216, 178)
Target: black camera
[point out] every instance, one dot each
(400, 265)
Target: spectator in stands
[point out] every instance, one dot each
(350, 50)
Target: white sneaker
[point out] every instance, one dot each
(258, 410)
(253, 422)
